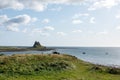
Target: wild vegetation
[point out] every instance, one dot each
(52, 67)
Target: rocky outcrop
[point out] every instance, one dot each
(37, 45)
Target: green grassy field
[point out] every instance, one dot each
(53, 67)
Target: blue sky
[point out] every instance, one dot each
(60, 22)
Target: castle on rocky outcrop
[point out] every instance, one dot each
(37, 45)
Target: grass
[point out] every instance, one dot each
(8, 49)
(53, 67)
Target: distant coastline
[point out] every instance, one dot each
(36, 47)
(22, 49)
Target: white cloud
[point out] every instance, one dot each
(118, 16)
(38, 5)
(22, 4)
(3, 18)
(43, 31)
(12, 28)
(78, 15)
(46, 21)
(40, 32)
(77, 21)
(48, 28)
(14, 4)
(25, 30)
(61, 33)
(13, 23)
(91, 32)
(34, 5)
(77, 31)
(45, 34)
(56, 9)
(36, 30)
(92, 20)
(34, 19)
(21, 19)
(103, 33)
(62, 1)
(97, 4)
(118, 28)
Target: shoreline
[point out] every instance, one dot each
(107, 65)
(24, 49)
(20, 49)
(112, 66)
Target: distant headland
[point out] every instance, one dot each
(36, 46)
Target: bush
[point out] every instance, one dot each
(96, 68)
(30, 64)
(113, 71)
(2, 54)
(56, 52)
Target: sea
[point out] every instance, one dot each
(108, 56)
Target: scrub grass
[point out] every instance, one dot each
(53, 67)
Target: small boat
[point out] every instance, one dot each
(83, 53)
(106, 53)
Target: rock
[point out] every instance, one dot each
(37, 45)
(55, 52)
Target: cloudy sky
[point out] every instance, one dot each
(60, 22)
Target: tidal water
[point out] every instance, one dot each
(99, 55)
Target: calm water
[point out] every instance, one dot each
(98, 55)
